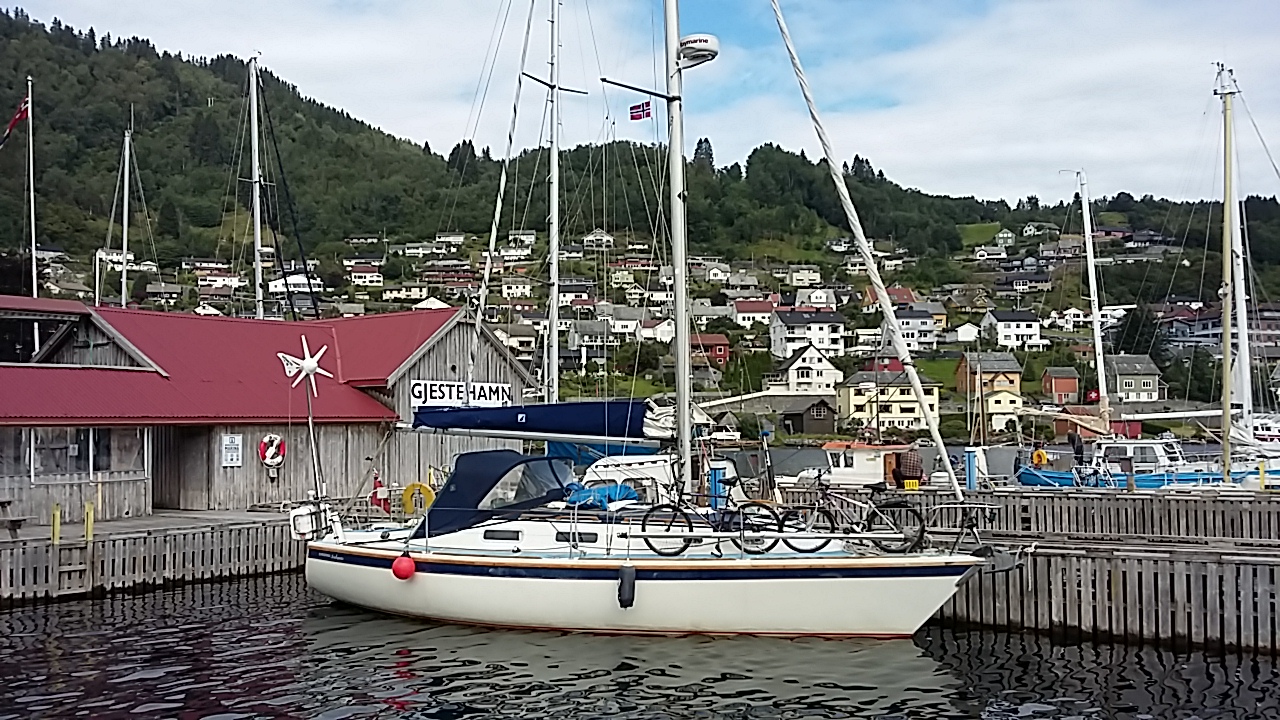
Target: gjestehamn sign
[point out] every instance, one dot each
(447, 393)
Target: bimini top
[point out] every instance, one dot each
(487, 482)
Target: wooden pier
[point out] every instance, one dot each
(1176, 568)
(168, 547)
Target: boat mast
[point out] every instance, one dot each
(124, 237)
(1104, 404)
(1243, 368)
(31, 179)
(679, 253)
(553, 234)
(256, 180)
(1226, 92)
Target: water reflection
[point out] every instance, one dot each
(268, 648)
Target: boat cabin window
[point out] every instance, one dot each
(501, 534)
(528, 481)
(835, 459)
(1144, 454)
(1172, 452)
(579, 537)
(1115, 451)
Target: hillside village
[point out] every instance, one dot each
(798, 348)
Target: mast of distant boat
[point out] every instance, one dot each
(553, 234)
(31, 179)
(124, 236)
(256, 192)
(1243, 362)
(1227, 92)
(1104, 404)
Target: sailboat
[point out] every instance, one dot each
(1154, 464)
(509, 543)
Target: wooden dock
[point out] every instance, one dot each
(166, 548)
(1177, 568)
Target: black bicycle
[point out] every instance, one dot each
(747, 519)
(895, 525)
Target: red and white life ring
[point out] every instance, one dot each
(271, 450)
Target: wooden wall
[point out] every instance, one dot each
(89, 345)
(115, 496)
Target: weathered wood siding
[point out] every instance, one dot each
(114, 495)
(410, 454)
(89, 345)
(342, 449)
(180, 467)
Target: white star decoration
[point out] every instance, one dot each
(306, 366)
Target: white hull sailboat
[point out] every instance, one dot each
(509, 540)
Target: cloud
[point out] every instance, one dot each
(984, 97)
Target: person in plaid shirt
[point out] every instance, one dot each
(910, 467)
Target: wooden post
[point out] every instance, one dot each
(88, 522)
(57, 522)
(1262, 474)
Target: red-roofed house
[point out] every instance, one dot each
(898, 294)
(714, 347)
(167, 410)
(750, 312)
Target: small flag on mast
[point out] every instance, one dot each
(17, 118)
(642, 111)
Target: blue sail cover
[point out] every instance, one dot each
(588, 453)
(604, 419)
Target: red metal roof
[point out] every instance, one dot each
(708, 340)
(753, 306)
(221, 370)
(42, 305)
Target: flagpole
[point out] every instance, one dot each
(31, 175)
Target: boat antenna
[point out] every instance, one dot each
(307, 367)
(864, 248)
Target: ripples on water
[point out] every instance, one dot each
(268, 648)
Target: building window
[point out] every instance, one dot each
(1128, 384)
(1146, 384)
(818, 411)
(804, 373)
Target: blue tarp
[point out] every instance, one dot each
(609, 418)
(598, 498)
(587, 453)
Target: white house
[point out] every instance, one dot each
(288, 284)
(1005, 238)
(663, 331)
(715, 272)
(523, 238)
(225, 279)
(803, 275)
(571, 252)
(411, 291)
(451, 238)
(621, 277)
(114, 259)
(919, 329)
(366, 276)
(749, 312)
(790, 331)
(884, 399)
(515, 286)
(966, 333)
(597, 240)
(822, 298)
(806, 371)
(742, 279)
(1014, 329)
(1001, 409)
(989, 253)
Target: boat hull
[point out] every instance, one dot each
(1036, 477)
(839, 595)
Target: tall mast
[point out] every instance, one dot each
(679, 253)
(1226, 92)
(1243, 367)
(256, 179)
(124, 237)
(553, 240)
(31, 179)
(1104, 404)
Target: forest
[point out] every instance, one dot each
(332, 176)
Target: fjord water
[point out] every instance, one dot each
(267, 647)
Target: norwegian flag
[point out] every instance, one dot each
(17, 118)
(642, 111)
(381, 496)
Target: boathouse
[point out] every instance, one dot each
(136, 410)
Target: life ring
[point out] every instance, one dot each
(406, 499)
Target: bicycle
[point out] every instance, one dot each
(741, 518)
(834, 512)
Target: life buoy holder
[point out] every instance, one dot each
(407, 498)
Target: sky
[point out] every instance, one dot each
(991, 98)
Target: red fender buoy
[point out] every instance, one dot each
(403, 567)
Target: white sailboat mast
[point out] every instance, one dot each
(1226, 92)
(256, 180)
(31, 179)
(1243, 365)
(553, 234)
(124, 236)
(1104, 404)
(679, 251)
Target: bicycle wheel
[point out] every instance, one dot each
(755, 517)
(897, 518)
(807, 520)
(667, 519)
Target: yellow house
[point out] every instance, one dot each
(884, 399)
(995, 370)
